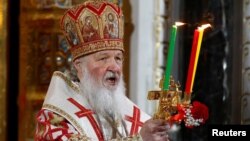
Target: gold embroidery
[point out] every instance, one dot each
(79, 138)
(129, 138)
(66, 115)
(93, 26)
(67, 80)
(97, 46)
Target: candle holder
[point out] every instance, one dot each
(175, 106)
(168, 100)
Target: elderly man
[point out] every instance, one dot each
(95, 107)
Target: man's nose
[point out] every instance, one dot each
(114, 66)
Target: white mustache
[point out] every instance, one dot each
(111, 74)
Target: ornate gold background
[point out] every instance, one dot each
(3, 68)
(42, 51)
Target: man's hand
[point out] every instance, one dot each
(154, 130)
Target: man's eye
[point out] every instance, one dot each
(117, 58)
(120, 59)
(102, 58)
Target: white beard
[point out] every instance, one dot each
(101, 99)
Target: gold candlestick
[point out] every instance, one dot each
(168, 100)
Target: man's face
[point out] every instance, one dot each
(106, 67)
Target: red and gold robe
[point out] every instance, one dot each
(66, 115)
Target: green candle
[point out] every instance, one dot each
(170, 58)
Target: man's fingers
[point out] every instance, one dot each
(156, 129)
(160, 122)
(157, 121)
(162, 133)
(159, 129)
(161, 136)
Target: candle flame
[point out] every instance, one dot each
(204, 26)
(179, 23)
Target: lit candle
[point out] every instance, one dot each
(170, 55)
(191, 62)
(198, 35)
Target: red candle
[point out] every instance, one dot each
(191, 62)
(198, 35)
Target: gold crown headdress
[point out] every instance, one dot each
(93, 26)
